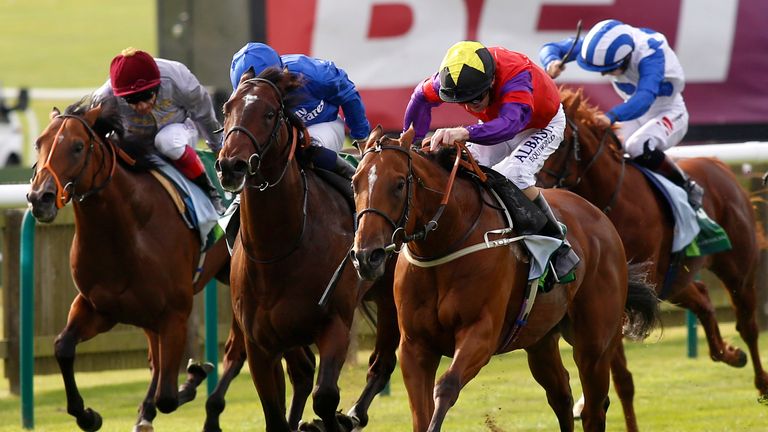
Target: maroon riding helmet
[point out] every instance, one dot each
(133, 71)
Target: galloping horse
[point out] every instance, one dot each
(462, 290)
(591, 163)
(133, 258)
(295, 230)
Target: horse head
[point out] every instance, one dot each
(383, 187)
(70, 162)
(259, 125)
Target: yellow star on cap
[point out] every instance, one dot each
(460, 54)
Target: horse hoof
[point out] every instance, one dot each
(90, 421)
(742, 361)
(315, 425)
(144, 426)
(763, 399)
(199, 369)
(348, 423)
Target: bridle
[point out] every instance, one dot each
(254, 166)
(399, 236)
(64, 193)
(254, 161)
(574, 153)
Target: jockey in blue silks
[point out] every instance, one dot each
(648, 76)
(326, 89)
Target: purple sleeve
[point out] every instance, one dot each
(419, 113)
(513, 116)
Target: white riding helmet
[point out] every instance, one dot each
(606, 46)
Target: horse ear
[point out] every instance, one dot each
(374, 136)
(92, 114)
(54, 112)
(406, 138)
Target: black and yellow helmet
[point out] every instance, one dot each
(466, 72)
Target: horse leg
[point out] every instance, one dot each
(419, 367)
(593, 352)
(547, 369)
(267, 375)
(383, 359)
(696, 298)
(234, 358)
(147, 410)
(332, 345)
(172, 337)
(300, 364)
(473, 349)
(624, 386)
(83, 324)
(742, 289)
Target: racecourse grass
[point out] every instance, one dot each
(673, 393)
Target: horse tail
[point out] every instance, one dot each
(642, 307)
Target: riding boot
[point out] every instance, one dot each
(526, 216)
(565, 259)
(669, 169)
(207, 186)
(344, 168)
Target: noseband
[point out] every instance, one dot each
(254, 161)
(66, 192)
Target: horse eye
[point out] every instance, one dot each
(270, 115)
(79, 146)
(400, 185)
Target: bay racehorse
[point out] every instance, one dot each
(295, 230)
(461, 283)
(591, 163)
(133, 258)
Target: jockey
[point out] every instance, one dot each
(647, 75)
(521, 123)
(326, 89)
(162, 99)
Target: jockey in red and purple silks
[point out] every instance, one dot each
(521, 120)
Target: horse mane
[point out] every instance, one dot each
(109, 127)
(287, 82)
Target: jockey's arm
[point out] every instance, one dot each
(418, 113)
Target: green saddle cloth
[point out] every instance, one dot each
(711, 239)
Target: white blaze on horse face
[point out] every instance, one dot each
(371, 181)
(249, 99)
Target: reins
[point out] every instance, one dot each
(66, 192)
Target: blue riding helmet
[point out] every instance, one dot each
(254, 55)
(606, 45)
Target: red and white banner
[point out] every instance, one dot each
(387, 47)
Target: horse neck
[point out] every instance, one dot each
(114, 206)
(600, 170)
(457, 218)
(275, 212)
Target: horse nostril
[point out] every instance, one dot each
(240, 167)
(377, 257)
(47, 198)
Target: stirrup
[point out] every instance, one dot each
(695, 194)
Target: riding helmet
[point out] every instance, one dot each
(133, 71)
(254, 55)
(606, 46)
(466, 72)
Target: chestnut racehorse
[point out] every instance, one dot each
(295, 230)
(461, 283)
(133, 258)
(591, 163)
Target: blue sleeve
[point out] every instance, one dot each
(339, 90)
(651, 70)
(557, 50)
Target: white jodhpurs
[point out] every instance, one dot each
(661, 128)
(171, 140)
(328, 134)
(521, 158)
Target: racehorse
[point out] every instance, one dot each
(295, 230)
(462, 290)
(133, 258)
(591, 163)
